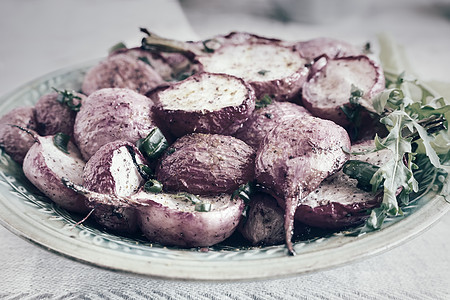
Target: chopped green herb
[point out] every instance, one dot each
(190, 197)
(263, 72)
(355, 94)
(61, 140)
(153, 186)
(154, 145)
(183, 76)
(244, 191)
(200, 206)
(263, 102)
(203, 207)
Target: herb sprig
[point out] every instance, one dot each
(69, 99)
(417, 124)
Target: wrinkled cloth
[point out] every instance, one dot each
(38, 37)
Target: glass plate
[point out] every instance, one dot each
(27, 213)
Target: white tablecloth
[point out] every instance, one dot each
(37, 37)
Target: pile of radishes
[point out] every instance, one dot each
(169, 143)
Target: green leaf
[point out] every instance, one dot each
(361, 171)
(392, 96)
(188, 196)
(394, 173)
(427, 141)
(416, 120)
(426, 111)
(376, 218)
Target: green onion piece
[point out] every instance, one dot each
(116, 47)
(263, 102)
(154, 145)
(153, 186)
(61, 140)
(203, 207)
(263, 72)
(361, 171)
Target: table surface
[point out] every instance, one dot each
(38, 37)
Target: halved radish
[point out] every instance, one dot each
(330, 87)
(49, 160)
(204, 103)
(271, 69)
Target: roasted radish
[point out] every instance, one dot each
(109, 115)
(345, 198)
(204, 103)
(56, 112)
(263, 224)
(295, 157)
(271, 69)
(115, 169)
(332, 48)
(270, 66)
(170, 66)
(337, 203)
(121, 71)
(175, 219)
(185, 220)
(336, 81)
(263, 119)
(50, 159)
(206, 164)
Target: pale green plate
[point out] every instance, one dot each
(24, 211)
